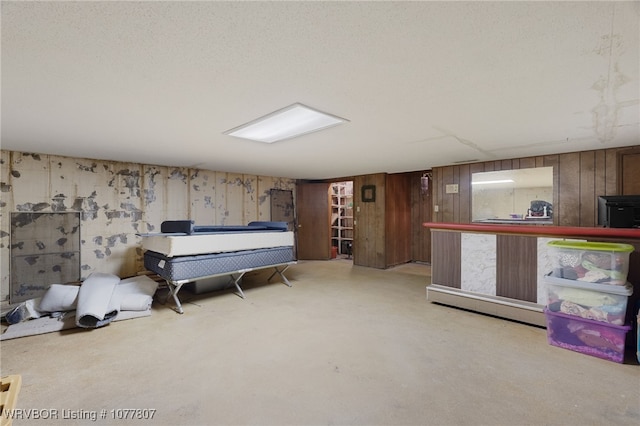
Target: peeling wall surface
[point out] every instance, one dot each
(45, 249)
(117, 200)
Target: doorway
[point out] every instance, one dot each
(341, 196)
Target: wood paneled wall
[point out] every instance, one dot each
(630, 172)
(516, 271)
(421, 212)
(578, 179)
(446, 260)
(383, 228)
(369, 224)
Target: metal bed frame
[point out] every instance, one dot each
(234, 277)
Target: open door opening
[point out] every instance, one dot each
(341, 196)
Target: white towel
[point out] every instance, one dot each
(96, 305)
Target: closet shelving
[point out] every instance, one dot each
(342, 217)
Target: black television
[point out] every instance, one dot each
(619, 211)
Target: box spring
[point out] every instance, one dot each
(192, 267)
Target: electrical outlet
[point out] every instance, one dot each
(436, 208)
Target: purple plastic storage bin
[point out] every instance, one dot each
(595, 338)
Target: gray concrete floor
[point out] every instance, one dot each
(346, 345)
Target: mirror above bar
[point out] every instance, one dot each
(522, 196)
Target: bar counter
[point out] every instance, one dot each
(500, 269)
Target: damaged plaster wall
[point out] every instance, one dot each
(118, 200)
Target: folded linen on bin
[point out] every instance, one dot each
(589, 298)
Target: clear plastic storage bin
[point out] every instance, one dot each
(598, 302)
(604, 263)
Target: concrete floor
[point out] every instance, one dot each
(346, 345)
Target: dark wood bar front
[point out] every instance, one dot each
(500, 269)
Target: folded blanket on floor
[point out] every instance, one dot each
(124, 299)
(59, 298)
(132, 294)
(135, 302)
(48, 324)
(97, 302)
(96, 305)
(136, 293)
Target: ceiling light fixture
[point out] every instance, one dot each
(286, 123)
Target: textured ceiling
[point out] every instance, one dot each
(423, 84)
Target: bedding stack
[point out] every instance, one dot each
(587, 296)
(184, 253)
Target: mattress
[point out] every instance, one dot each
(189, 227)
(192, 267)
(172, 245)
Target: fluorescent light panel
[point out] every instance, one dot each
(286, 123)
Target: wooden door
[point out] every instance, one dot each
(397, 217)
(313, 221)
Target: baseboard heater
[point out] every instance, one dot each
(517, 310)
